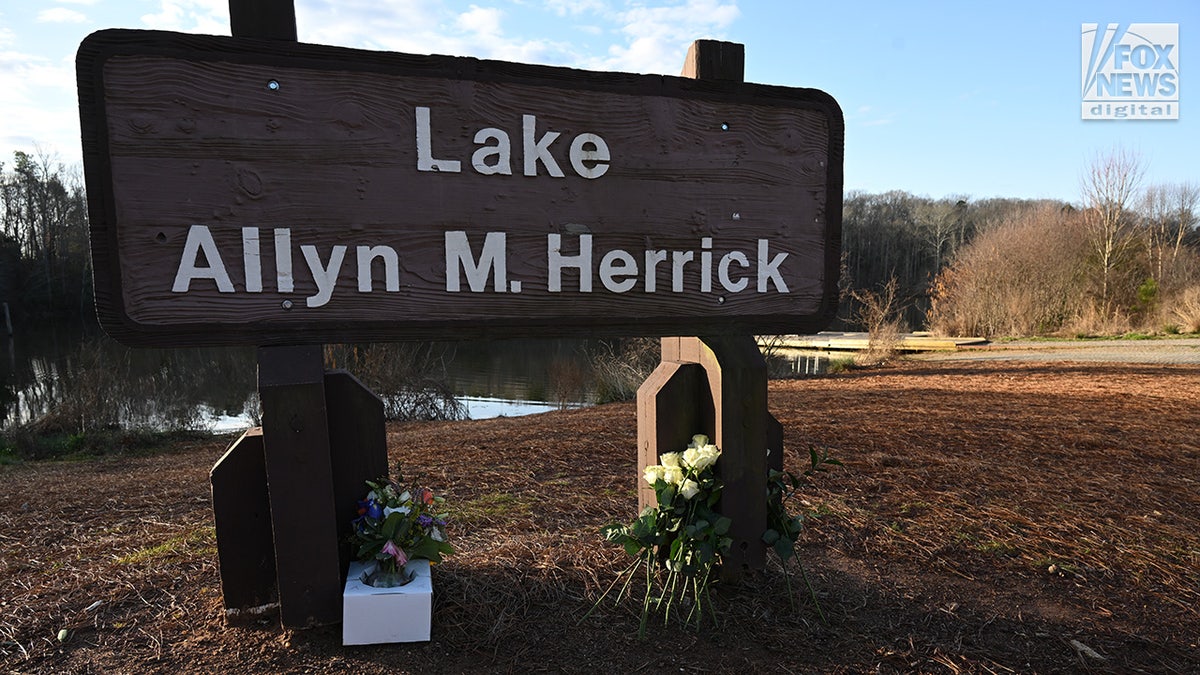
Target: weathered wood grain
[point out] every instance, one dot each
(230, 133)
(242, 520)
(357, 450)
(291, 386)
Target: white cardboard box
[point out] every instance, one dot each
(377, 615)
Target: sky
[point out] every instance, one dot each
(975, 99)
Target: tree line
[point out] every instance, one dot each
(1125, 257)
(45, 267)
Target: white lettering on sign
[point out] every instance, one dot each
(324, 274)
(619, 271)
(491, 261)
(570, 266)
(199, 240)
(588, 153)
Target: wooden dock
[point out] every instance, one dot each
(838, 341)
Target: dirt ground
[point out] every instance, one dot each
(990, 517)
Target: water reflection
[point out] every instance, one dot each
(785, 363)
(71, 382)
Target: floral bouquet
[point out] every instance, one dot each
(680, 541)
(395, 525)
(683, 534)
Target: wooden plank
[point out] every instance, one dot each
(358, 448)
(300, 484)
(673, 404)
(737, 378)
(242, 517)
(729, 403)
(853, 341)
(737, 382)
(188, 142)
(715, 60)
(266, 19)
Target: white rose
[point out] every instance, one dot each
(689, 488)
(652, 474)
(673, 474)
(699, 441)
(690, 457)
(670, 459)
(705, 457)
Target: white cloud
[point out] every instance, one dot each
(88, 3)
(191, 16)
(577, 7)
(423, 27)
(481, 21)
(30, 89)
(60, 15)
(399, 25)
(658, 37)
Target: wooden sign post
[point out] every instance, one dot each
(257, 190)
(284, 495)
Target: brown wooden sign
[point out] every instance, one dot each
(246, 191)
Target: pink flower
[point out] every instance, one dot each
(390, 548)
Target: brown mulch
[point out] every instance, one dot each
(990, 518)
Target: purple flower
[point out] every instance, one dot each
(374, 510)
(424, 520)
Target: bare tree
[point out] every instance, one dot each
(1109, 186)
(1169, 212)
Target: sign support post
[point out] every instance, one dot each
(716, 386)
(322, 436)
(295, 432)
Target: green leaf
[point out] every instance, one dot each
(666, 495)
(784, 548)
(722, 525)
(426, 548)
(391, 525)
(770, 537)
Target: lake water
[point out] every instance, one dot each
(94, 380)
(92, 377)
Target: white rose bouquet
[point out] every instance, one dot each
(680, 540)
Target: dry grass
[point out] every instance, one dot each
(988, 519)
(1187, 310)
